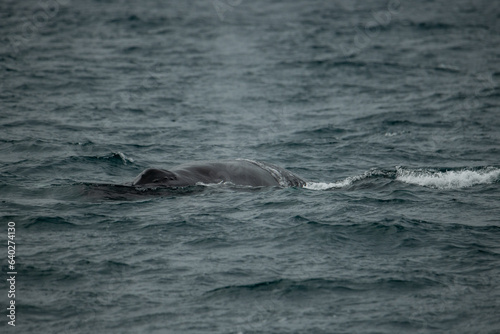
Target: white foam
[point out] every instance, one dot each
(336, 185)
(342, 183)
(449, 179)
(327, 185)
(124, 157)
(453, 179)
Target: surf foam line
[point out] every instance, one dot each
(425, 177)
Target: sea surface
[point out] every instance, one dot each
(389, 109)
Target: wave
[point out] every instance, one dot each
(425, 177)
(50, 223)
(114, 157)
(349, 181)
(450, 179)
(126, 192)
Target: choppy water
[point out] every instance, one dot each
(389, 109)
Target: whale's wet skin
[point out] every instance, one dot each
(238, 172)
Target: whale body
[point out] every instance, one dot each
(241, 172)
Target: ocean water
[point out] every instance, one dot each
(389, 110)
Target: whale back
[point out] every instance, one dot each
(284, 177)
(241, 172)
(232, 171)
(154, 176)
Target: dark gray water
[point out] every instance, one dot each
(389, 109)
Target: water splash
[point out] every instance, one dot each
(123, 157)
(451, 179)
(425, 177)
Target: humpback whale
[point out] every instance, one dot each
(241, 172)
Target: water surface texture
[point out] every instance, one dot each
(389, 109)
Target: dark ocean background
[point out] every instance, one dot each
(389, 109)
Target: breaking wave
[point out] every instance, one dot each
(425, 177)
(450, 179)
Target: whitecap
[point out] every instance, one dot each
(124, 158)
(452, 179)
(327, 185)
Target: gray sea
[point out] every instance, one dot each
(388, 109)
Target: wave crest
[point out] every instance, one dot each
(425, 177)
(451, 179)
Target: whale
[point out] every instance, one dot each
(239, 172)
